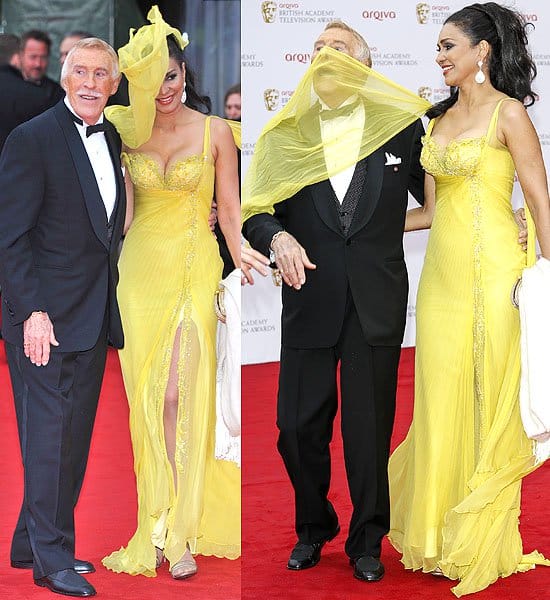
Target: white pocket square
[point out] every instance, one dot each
(391, 159)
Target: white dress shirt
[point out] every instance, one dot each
(100, 159)
(329, 129)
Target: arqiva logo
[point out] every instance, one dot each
(379, 15)
(301, 57)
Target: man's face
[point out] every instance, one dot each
(327, 83)
(34, 60)
(89, 83)
(65, 46)
(233, 107)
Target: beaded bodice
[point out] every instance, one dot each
(183, 174)
(460, 157)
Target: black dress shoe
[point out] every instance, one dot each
(305, 556)
(80, 566)
(367, 568)
(67, 583)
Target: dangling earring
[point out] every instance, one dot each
(184, 95)
(480, 75)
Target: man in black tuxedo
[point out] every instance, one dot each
(62, 210)
(347, 234)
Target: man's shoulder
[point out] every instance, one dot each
(48, 82)
(22, 98)
(10, 73)
(40, 124)
(12, 82)
(51, 90)
(409, 135)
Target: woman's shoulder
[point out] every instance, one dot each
(511, 104)
(221, 131)
(511, 111)
(217, 124)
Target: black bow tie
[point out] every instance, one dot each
(90, 129)
(95, 129)
(342, 111)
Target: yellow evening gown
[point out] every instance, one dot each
(169, 269)
(455, 481)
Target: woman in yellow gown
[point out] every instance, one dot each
(455, 481)
(176, 157)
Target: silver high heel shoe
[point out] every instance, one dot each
(185, 567)
(160, 557)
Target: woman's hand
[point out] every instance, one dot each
(252, 259)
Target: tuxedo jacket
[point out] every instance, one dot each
(58, 252)
(368, 260)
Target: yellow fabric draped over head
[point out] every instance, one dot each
(290, 154)
(144, 61)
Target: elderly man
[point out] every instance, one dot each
(346, 233)
(62, 208)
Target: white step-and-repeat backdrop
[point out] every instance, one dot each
(277, 40)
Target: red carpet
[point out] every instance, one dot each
(106, 513)
(268, 517)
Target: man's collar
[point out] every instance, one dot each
(351, 100)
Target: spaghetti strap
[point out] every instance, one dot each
(206, 145)
(430, 127)
(494, 119)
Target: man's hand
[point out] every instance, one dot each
(519, 216)
(37, 336)
(213, 216)
(291, 260)
(252, 259)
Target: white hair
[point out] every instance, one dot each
(362, 53)
(93, 44)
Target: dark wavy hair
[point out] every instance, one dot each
(511, 67)
(194, 99)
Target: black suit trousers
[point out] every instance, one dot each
(307, 405)
(55, 407)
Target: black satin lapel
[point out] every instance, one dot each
(114, 146)
(323, 200)
(322, 192)
(371, 191)
(85, 173)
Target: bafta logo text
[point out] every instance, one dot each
(271, 99)
(422, 13)
(269, 11)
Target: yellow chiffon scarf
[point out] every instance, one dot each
(290, 153)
